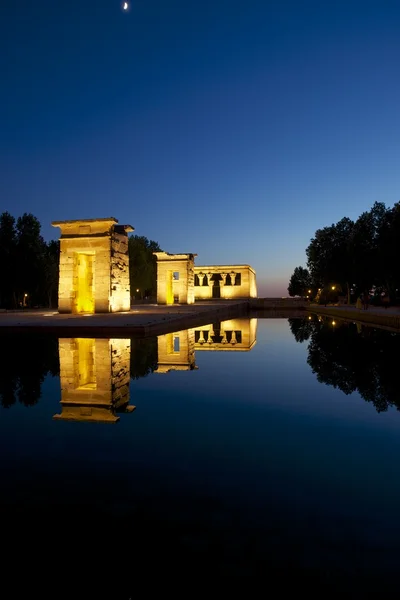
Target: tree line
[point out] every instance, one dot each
(29, 266)
(352, 258)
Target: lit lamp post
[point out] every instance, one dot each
(25, 300)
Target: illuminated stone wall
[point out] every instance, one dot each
(94, 266)
(225, 282)
(176, 352)
(231, 335)
(94, 377)
(120, 299)
(175, 278)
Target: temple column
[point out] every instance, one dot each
(233, 338)
(201, 338)
(201, 277)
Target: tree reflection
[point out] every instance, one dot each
(26, 360)
(144, 357)
(301, 329)
(352, 358)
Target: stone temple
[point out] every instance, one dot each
(94, 266)
(94, 272)
(179, 281)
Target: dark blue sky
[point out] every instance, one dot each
(229, 128)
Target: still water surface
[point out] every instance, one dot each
(252, 447)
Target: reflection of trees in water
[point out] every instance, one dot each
(301, 329)
(353, 358)
(144, 357)
(27, 360)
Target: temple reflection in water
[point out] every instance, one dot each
(95, 373)
(94, 377)
(176, 351)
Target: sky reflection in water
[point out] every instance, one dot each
(255, 446)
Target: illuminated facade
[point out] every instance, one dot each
(175, 278)
(180, 282)
(94, 266)
(224, 282)
(233, 335)
(176, 351)
(94, 376)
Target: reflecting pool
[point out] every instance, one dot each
(244, 448)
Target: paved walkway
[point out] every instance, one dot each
(374, 315)
(141, 320)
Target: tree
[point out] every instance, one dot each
(142, 265)
(388, 250)
(8, 274)
(329, 255)
(30, 251)
(300, 282)
(50, 272)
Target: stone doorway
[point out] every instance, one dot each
(84, 366)
(216, 290)
(84, 283)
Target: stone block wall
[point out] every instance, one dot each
(176, 351)
(103, 245)
(120, 371)
(175, 278)
(234, 335)
(120, 296)
(94, 377)
(246, 289)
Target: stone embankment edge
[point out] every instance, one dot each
(171, 324)
(362, 316)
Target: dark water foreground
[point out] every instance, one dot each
(275, 461)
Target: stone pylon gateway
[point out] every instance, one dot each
(94, 266)
(94, 376)
(175, 278)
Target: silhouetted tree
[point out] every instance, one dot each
(329, 255)
(8, 273)
(31, 248)
(300, 282)
(142, 266)
(50, 273)
(357, 256)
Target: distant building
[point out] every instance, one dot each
(179, 281)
